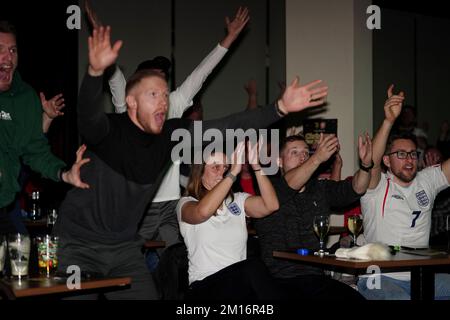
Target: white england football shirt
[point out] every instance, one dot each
(218, 242)
(397, 215)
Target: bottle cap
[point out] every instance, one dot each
(303, 252)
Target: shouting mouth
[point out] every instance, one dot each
(6, 72)
(160, 117)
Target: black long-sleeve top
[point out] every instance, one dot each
(125, 166)
(292, 225)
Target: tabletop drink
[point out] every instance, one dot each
(19, 254)
(321, 226)
(47, 247)
(355, 224)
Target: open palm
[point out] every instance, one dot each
(296, 98)
(101, 53)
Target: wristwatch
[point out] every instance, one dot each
(366, 169)
(231, 176)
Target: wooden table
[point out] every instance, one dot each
(38, 286)
(422, 268)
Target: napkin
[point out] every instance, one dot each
(370, 251)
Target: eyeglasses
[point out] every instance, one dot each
(403, 154)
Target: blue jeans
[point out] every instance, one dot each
(393, 289)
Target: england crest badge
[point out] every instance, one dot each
(234, 208)
(422, 198)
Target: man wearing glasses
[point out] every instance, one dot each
(397, 206)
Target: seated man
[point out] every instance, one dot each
(301, 198)
(397, 206)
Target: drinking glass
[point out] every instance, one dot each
(355, 224)
(51, 217)
(321, 226)
(19, 254)
(47, 247)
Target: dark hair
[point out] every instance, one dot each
(6, 27)
(159, 62)
(410, 107)
(397, 136)
(296, 137)
(138, 76)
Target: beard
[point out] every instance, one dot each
(407, 178)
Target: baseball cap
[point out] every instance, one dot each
(158, 62)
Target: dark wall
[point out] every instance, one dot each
(411, 50)
(48, 61)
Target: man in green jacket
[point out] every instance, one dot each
(21, 135)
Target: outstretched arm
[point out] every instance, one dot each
(298, 177)
(92, 121)
(295, 98)
(182, 97)
(392, 109)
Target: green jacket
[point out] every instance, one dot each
(21, 137)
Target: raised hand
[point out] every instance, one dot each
(101, 54)
(297, 98)
(365, 150)
(53, 106)
(73, 175)
(393, 105)
(326, 147)
(238, 158)
(235, 27)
